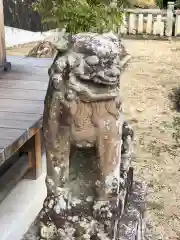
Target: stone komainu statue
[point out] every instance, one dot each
(83, 112)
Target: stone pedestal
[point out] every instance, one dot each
(132, 224)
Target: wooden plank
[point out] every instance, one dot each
(37, 62)
(33, 95)
(23, 84)
(19, 76)
(4, 143)
(35, 127)
(19, 116)
(140, 23)
(29, 109)
(11, 141)
(38, 157)
(22, 93)
(18, 124)
(29, 70)
(6, 133)
(12, 176)
(149, 24)
(14, 59)
(8, 105)
(11, 146)
(34, 155)
(30, 61)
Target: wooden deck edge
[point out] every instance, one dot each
(16, 145)
(12, 176)
(19, 142)
(35, 127)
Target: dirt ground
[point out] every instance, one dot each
(145, 87)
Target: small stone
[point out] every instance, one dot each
(139, 109)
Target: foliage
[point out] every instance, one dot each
(144, 3)
(177, 4)
(80, 15)
(19, 14)
(163, 4)
(160, 3)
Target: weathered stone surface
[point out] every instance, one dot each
(88, 145)
(131, 226)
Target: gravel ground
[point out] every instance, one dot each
(146, 85)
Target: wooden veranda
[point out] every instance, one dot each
(23, 84)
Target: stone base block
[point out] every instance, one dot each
(132, 224)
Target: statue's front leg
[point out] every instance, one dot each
(57, 145)
(109, 155)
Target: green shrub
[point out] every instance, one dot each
(81, 15)
(160, 3)
(177, 4)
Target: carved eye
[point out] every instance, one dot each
(92, 60)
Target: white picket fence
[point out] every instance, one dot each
(154, 22)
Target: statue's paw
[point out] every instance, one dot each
(102, 210)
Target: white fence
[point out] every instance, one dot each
(154, 22)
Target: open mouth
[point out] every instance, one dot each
(99, 80)
(105, 80)
(99, 85)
